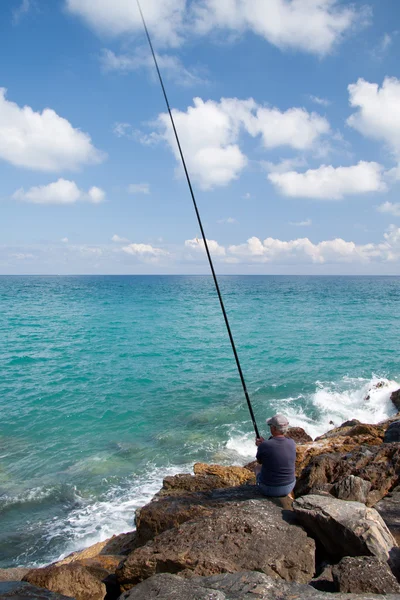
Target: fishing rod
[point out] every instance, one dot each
(201, 227)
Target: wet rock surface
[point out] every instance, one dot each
(13, 574)
(20, 590)
(345, 528)
(249, 534)
(360, 574)
(238, 586)
(392, 433)
(395, 398)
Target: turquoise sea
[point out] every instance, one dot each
(108, 384)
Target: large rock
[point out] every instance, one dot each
(389, 509)
(20, 590)
(352, 488)
(345, 528)
(360, 574)
(395, 398)
(392, 433)
(299, 435)
(249, 534)
(75, 580)
(238, 586)
(380, 465)
(13, 574)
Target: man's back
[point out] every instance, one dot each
(278, 457)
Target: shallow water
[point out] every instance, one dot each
(110, 383)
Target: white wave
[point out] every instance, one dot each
(367, 400)
(101, 519)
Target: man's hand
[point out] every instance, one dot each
(259, 441)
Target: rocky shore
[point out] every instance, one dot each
(213, 536)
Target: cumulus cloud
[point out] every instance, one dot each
(42, 141)
(143, 250)
(330, 183)
(313, 26)
(62, 191)
(378, 114)
(303, 250)
(392, 208)
(139, 188)
(213, 246)
(210, 134)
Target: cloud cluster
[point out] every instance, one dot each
(313, 26)
(61, 191)
(143, 250)
(210, 133)
(42, 141)
(139, 188)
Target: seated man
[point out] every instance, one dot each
(277, 457)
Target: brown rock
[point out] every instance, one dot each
(298, 435)
(250, 534)
(13, 574)
(361, 574)
(395, 398)
(380, 465)
(389, 509)
(229, 476)
(88, 552)
(345, 528)
(21, 590)
(121, 544)
(75, 580)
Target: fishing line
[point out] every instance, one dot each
(201, 228)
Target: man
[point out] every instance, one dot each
(277, 457)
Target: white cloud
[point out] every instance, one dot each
(320, 101)
(42, 141)
(378, 114)
(22, 256)
(303, 251)
(213, 246)
(64, 240)
(228, 220)
(163, 17)
(171, 66)
(305, 223)
(330, 183)
(143, 250)
(286, 164)
(139, 188)
(119, 240)
(246, 196)
(209, 132)
(392, 208)
(21, 10)
(62, 191)
(313, 26)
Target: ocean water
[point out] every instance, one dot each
(108, 384)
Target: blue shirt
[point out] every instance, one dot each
(277, 457)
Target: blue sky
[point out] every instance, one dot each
(288, 113)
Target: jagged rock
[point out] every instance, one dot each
(353, 428)
(13, 574)
(206, 477)
(82, 583)
(389, 509)
(88, 552)
(395, 398)
(392, 433)
(345, 528)
(352, 488)
(298, 435)
(238, 586)
(164, 513)
(253, 534)
(121, 544)
(361, 574)
(380, 465)
(324, 582)
(20, 590)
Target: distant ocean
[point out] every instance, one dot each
(108, 384)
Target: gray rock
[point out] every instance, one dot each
(395, 398)
(392, 433)
(389, 509)
(352, 488)
(324, 581)
(20, 590)
(253, 534)
(13, 574)
(345, 528)
(359, 574)
(246, 585)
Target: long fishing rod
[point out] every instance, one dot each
(201, 228)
